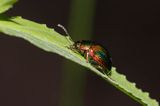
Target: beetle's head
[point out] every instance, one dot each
(76, 47)
(77, 44)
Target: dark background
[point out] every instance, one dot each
(30, 76)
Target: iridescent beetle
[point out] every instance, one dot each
(94, 53)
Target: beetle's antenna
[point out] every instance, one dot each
(65, 30)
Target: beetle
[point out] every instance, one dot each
(94, 53)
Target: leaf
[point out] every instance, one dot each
(6, 4)
(131, 90)
(49, 40)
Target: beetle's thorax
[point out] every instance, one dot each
(84, 47)
(81, 46)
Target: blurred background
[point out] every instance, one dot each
(30, 76)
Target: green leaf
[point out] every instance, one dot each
(131, 90)
(6, 4)
(49, 40)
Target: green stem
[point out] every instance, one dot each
(80, 27)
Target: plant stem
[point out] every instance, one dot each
(80, 27)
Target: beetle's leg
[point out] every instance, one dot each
(87, 55)
(109, 73)
(103, 71)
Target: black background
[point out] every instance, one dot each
(30, 76)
